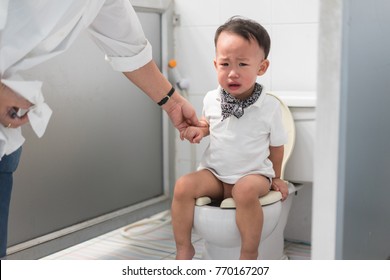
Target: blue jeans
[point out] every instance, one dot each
(8, 165)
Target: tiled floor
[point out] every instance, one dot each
(150, 239)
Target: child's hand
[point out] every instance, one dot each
(192, 134)
(280, 186)
(195, 133)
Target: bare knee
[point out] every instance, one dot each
(249, 188)
(183, 188)
(244, 193)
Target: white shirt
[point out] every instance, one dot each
(33, 31)
(240, 147)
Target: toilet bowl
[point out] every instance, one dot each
(215, 222)
(217, 226)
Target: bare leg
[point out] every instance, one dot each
(249, 214)
(187, 189)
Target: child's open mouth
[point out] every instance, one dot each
(234, 86)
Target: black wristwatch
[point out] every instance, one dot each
(166, 97)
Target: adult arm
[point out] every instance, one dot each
(151, 81)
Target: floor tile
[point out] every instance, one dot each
(149, 239)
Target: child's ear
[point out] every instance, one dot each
(263, 67)
(215, 63)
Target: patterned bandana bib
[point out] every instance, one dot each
(233, 106)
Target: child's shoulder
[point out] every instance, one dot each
(214, 92)
(212, 95)
(268, 103)
(269, 98)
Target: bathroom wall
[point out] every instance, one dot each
(351, 212)
(292, 25)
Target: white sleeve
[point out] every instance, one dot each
(278, 135)
(118, 32)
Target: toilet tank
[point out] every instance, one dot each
(302, 105)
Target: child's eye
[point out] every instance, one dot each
(243, 64)
(224, 64)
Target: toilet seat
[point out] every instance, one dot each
(228, 203)
(269, 198)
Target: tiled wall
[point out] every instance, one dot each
(292, 25)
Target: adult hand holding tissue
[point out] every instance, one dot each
(10, 103)
(17, 95)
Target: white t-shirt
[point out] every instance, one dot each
(32, 32)
(240, 146)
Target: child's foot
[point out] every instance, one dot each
(185, 253)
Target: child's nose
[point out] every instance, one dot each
(233, 73)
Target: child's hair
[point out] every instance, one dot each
(248, 29)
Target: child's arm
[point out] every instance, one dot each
(276, 156)
(195, 133)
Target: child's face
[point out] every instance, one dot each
(238, 63)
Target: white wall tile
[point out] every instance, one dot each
(183, 150)
(197, 102)
(197, 13)
(295, 11)
(182, 167)
(294, 57)
(195, 53)
(259, 10)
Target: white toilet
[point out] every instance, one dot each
(216, 224)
